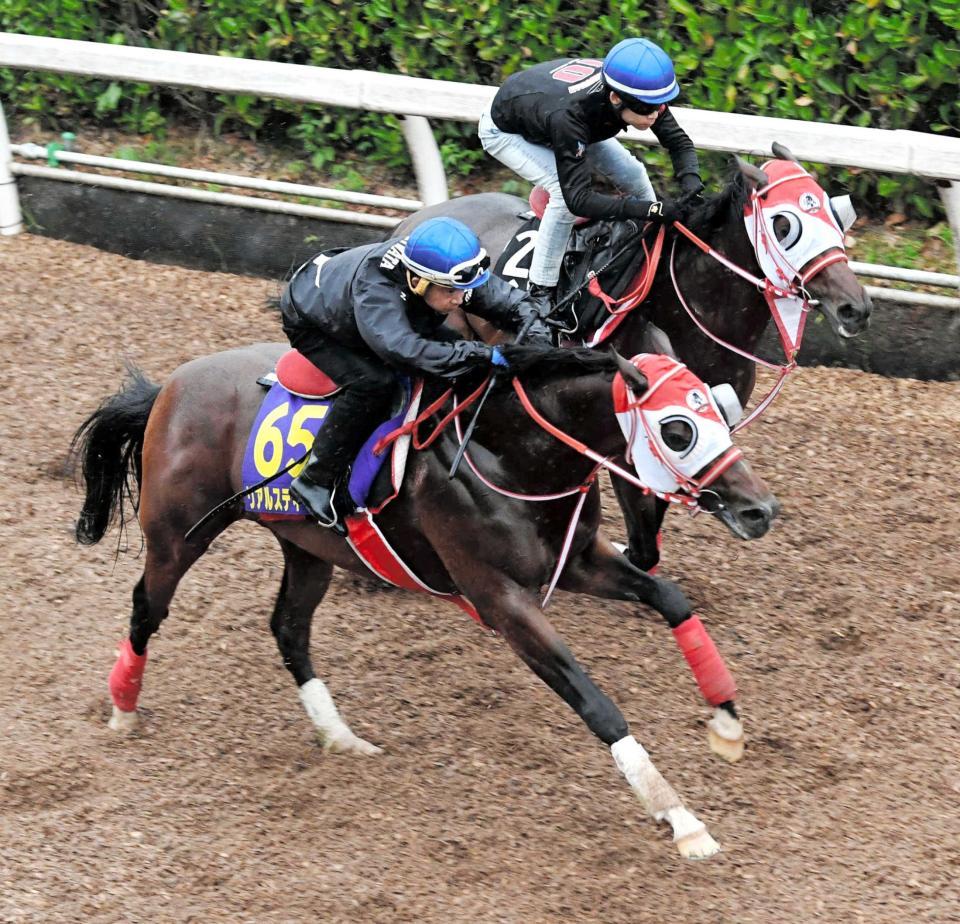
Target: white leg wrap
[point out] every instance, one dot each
(334, 733)
(320, 707)
(683, 822)
(659, 799)
(653, 791)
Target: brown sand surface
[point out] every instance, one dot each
(491, 803)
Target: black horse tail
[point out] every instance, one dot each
(109, 445)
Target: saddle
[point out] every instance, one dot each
(292, 411)
(593, 244)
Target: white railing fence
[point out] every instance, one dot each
(415, 100)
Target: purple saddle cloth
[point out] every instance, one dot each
(283, 430)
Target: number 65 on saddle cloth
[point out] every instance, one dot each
(290, 416)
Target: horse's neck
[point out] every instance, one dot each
(728, 305)
(535, 461)
(725, 304)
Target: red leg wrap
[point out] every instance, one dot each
(656, 567)
(715, 682)
(126, 677)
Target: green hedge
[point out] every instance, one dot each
(879, 63)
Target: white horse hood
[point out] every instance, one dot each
(674, 393)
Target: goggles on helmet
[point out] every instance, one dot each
(458, 277)
(638, 105)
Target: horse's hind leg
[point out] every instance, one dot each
(168, 559)
(305, 581)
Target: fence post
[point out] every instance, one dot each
(11, 221)
(950, 194)
(427, 163)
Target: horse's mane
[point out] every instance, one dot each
(538, 362)
(721, 208)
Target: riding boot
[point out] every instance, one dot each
(309, 490)
(344, 429)
(544, 298)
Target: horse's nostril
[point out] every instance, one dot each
(847, 313)
(755, 515)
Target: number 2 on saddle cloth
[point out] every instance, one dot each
(594, 246)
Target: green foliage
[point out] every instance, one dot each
(911, 247)
(881, 63)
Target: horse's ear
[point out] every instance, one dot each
(656, 340)
(753, 175)
(629, 371)
(782, 152)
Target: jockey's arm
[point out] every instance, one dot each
(507, 307)
(382, 321)
(677, 143)
(576, 177)
(472, 327)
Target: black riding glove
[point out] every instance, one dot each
(691, 185)
(665, 211)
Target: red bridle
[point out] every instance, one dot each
(693, 485)
(789, 285)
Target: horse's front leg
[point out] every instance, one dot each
(514, 613)
(643, 516)
(602, 571)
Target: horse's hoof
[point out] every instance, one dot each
(697, 846)
(122, 721)
(731, 751)
(725, 734)
(350, 744)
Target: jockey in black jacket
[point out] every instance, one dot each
(372, 310)
(554, 124)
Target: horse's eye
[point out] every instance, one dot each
(787, 229)
(677, 434)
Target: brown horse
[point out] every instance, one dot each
(729, 306)
(183, 446)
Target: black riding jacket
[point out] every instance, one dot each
(564, 105)
(360, 298)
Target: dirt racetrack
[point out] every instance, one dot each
(491, 803)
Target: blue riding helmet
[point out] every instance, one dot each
(638, 69)
(445, 252)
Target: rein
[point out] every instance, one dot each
(786, 289)
(413, 426)
(770, 292)
(695, 486)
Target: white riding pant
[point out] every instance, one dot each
(538, 164)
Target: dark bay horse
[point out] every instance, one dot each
(178, 450)
(731, 307)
